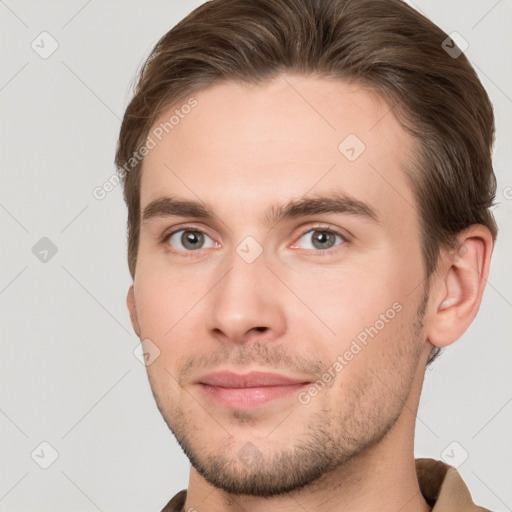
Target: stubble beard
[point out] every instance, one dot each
(328, 442)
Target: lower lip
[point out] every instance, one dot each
(246, 398)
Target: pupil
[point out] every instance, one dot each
(191, 239)
(323, 240)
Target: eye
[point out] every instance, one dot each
(189, 240)
(320, 239)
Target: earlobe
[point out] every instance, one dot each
(460, 284)
(132, 308)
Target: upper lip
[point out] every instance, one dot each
(254, 379)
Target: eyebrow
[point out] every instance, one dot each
(339, 203)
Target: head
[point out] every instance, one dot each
(339, 162)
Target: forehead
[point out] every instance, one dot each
(243, 147)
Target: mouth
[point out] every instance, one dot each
(250, 390)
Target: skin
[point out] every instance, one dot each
(294, 309)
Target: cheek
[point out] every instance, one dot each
(341, 302)
(171, 314)
(162, 299)
(357, 318)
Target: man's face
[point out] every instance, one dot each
(330, 289)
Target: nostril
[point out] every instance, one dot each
(261, 329)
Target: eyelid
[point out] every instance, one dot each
(186, 227)
(322, 227)
(303, 230)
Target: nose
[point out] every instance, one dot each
(245, 305)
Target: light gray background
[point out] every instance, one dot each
(68, 373)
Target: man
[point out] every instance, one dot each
(308, 186)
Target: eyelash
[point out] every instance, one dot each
(315, 252)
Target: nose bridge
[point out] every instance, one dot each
(240, 280)
(242, 302)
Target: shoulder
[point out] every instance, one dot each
(177, 502)
(443, 487)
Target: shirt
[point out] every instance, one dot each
(440, 484)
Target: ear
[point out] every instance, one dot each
(132, 308)
(459, 285)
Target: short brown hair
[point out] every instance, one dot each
(382, 44)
